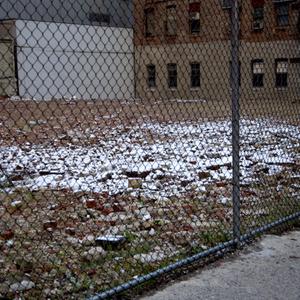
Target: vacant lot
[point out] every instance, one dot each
(158, 174)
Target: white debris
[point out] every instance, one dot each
(22, 286)
(150, 257)
(152, 232)
(169, 166)
(94, 254)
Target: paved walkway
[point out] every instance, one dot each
(267, 270)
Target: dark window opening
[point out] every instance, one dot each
(151, 72)
(282, 14)
(194, 17)
(258, 18)
(295, 60)
(99, 18)
(281, 71)
(195, 75)
(226, 4)
(149, 22)
(172, 75)
(258, 73)
(171, 21)
(298, 22)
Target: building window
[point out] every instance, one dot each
(194, 17)
(281, 66)
(102, 19)
(226, 4)
(298, 22)
(172, 75)
(195, 75)
(151, 73)
(295, 60)
(149, 22)
(282, 14)
(258, 73)
(258, 18)
(171, 21)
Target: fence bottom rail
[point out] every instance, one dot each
(187, 261)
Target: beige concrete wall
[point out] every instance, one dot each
(8, 83)
(269, 51)
(7, 68)
(214, 59)
(7, 30)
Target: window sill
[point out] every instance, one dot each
(194, 34)
(281, 88)
(173, 89)
(195, 89)
(257, 30)
(152, 89)
(282, 28)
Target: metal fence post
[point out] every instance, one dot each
(235, 94)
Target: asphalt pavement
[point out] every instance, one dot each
(268, 269)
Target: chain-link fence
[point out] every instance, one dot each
(140, 136)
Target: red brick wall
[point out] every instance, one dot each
(215, 22)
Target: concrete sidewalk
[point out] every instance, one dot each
(270, 269)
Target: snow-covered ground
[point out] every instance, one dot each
(170, 159)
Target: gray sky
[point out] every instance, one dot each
(67, 11)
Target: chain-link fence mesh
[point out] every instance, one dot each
(141, 135)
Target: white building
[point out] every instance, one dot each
(44, 60)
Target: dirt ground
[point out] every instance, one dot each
(42, 121)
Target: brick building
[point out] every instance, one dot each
(182, 49)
